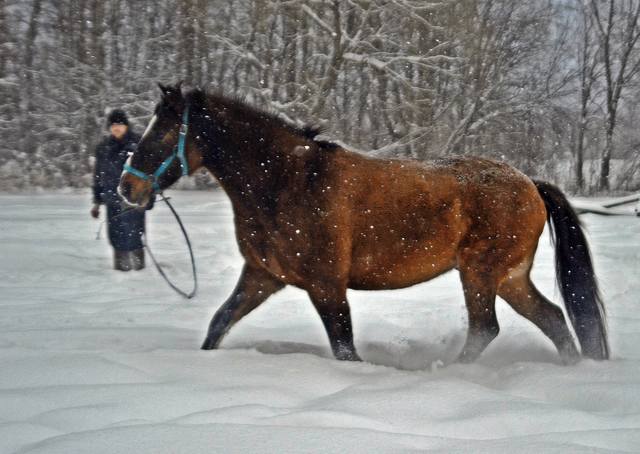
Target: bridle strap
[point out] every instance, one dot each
(179, 151)
(182, 139)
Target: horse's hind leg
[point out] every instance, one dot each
(527, 301)
(253, 288)
(333, 308)
(480, 298)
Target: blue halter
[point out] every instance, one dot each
(178, 151)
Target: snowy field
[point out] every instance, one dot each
(98, 361)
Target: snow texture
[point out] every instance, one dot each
(95, 360)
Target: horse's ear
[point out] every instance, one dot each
(171, 90)
(172, 96)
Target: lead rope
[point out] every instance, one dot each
(179, 291)
(192, 293)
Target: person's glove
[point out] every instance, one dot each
(95, 211)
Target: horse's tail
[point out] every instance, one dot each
(575, 274)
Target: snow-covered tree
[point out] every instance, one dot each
(501, 78)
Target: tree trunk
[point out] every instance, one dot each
(28, 141)
(605, 162)
(331, 76)
(4, 40)
(187, 41)
(579, 156)
(115, 60)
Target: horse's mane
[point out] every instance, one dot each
(239, 106)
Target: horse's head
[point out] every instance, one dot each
(164, 153)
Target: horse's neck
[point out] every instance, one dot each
(250, 168)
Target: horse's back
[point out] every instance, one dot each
(410, 221)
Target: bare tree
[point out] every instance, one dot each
(5, 40)
(188, 41)
(503, 83)
(29, 73)
(395, 77)
(618, 31)
(588, 62)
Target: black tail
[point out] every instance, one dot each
(575, 274)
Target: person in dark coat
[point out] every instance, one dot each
(125, 228)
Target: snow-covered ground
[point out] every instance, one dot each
(94, 360)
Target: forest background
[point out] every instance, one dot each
(550, 86)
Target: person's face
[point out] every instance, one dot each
(118, 131)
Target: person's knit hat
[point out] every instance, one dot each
(117, 116)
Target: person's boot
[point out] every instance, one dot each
(121, 261)
(137, 259)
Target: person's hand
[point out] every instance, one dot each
(95, 211)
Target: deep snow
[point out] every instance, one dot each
(94, 360)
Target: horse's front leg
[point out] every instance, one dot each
(333, 308)
(253, 288)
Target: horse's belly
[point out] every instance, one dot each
(380, 272)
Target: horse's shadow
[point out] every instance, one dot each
(413, 355)
(417, 356)
(286, 348)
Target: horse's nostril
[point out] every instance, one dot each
(125, 190)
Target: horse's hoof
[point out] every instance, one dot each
(569, 354)
(208, 345)
(466, 358)
(348, 356)
(570, 359)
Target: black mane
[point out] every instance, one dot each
(269, 118)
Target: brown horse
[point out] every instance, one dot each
(314, 215)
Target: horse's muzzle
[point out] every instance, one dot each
(136, 195)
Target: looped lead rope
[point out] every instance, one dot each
(179, 291)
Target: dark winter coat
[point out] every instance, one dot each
(125, 230)
(111, 155)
